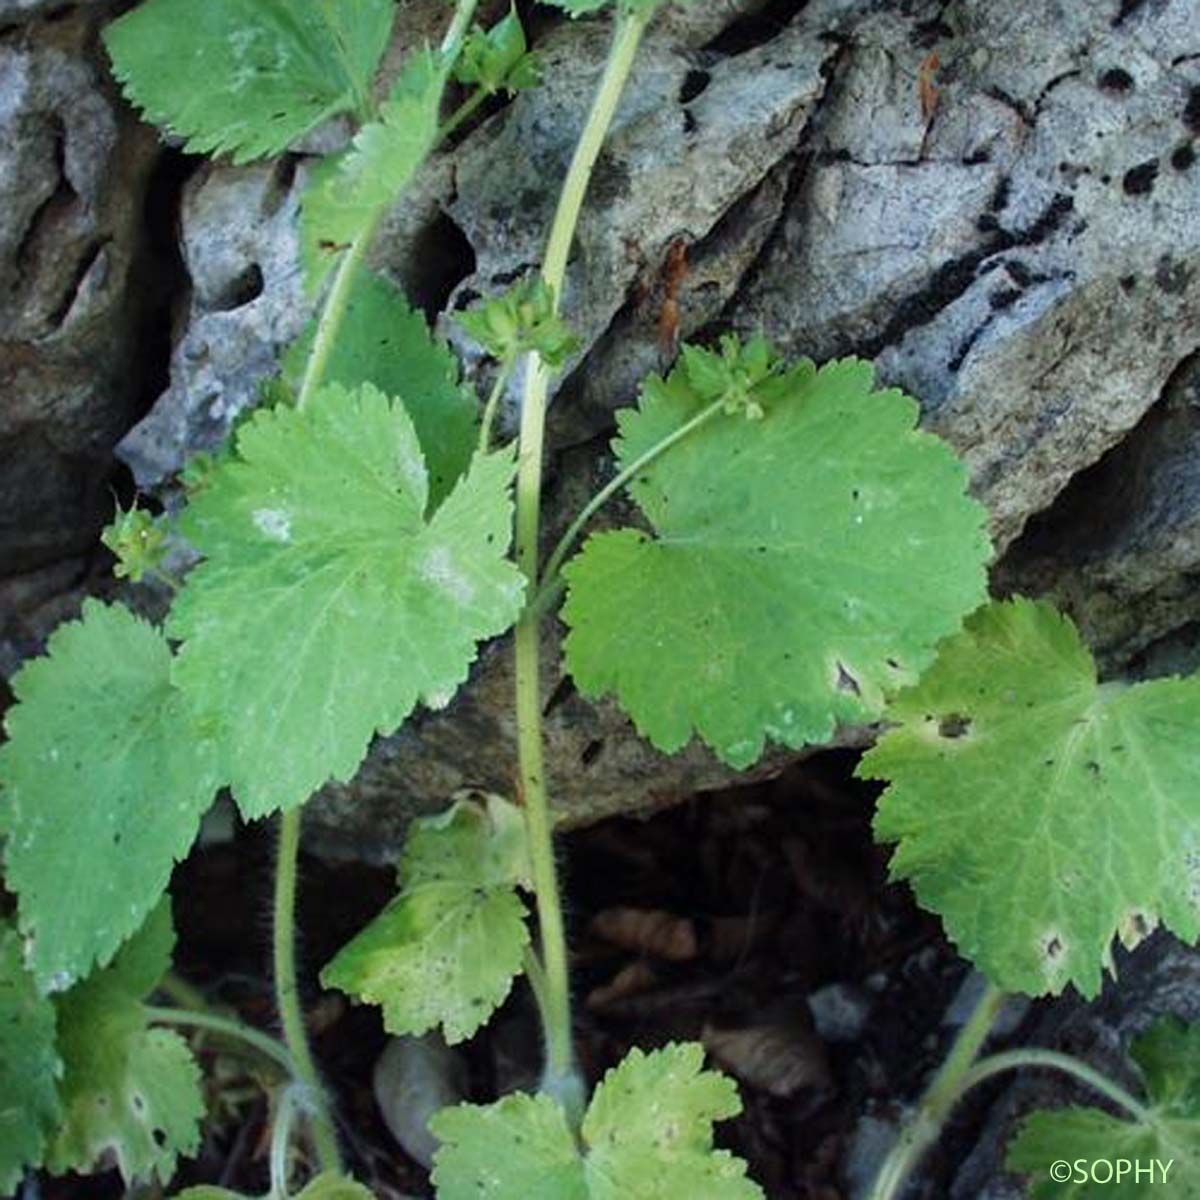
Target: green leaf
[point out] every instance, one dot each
(519, 1148)
(328, 606)
(29, 1066)
(128, 1089)
(386, 343)
(803, 563)
(447, 949)
(1157, 1157)
(346, 197)
(247, 77)
(332, 1186)
(331, 218)
(1039, 812)
(328, 1186)
(105, 778)
(647, 1135)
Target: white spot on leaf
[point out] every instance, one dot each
(438, 568)
(1052, 949)
(1135, 926)
(274, 522)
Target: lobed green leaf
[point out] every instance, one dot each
(347, 195)
(1039, 812)
(247, 77)
(128, 1090)
(1166, 1142)
(446, 950)
(803, 562)
(105, 776)
(386, 343)
(29, 1066)
(647, 1135)
(328, 605)
(519, 1148)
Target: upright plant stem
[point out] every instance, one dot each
(329, 324)
(287, 996)
(333, 312)
(926, 1123)
(493, 403)
(560, 1077)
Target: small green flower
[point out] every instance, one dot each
(498, 59)
(739, 374)
(139, 542)
(519, 321)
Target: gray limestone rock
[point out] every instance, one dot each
(1004, 256)
(73, 174)
(239, 240)
(1009, 229)
(16, 11)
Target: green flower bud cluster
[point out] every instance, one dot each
(745, 376)
(139, 542)
(498, 59)
(519, 321)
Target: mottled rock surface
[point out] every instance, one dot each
(999, 203)
(74, 168)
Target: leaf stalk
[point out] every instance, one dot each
(281, 1135)
(287, 994)
(560, 1077)
(1011, 1060)
(493, 403)
(551, 585)
(923, 1128)
(333, 314)
(226, 1027)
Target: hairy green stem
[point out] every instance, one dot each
(462, 113)
(333, 312)
(281, 1136)
(168, 579)
(460, 25)
(287, 993)
(493, 403)
(226, 1027)
(329, 324)
(922, 1129)
(560, 1077)
(1012, 1060)
(184, 994)
(551, 584)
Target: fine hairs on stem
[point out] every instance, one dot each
(560, 1077)
(329, 323)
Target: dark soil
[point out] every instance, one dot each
(714, 921)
